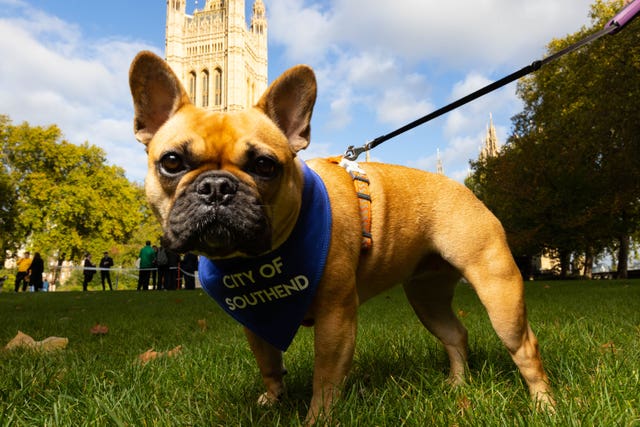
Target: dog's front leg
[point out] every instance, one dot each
(334, 345)
(271, 368)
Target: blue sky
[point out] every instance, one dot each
(379, 65)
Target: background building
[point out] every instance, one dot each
(221, 61)
(491, 146)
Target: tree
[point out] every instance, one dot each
(8, 198)
(569, 178)
(68, 200)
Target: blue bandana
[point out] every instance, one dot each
(271, 294)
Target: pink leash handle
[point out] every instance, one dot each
(625, 16)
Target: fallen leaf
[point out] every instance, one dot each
(174, 351)
(53, 343)
(148, 356)
(462, 313)
(22, 340)
(99, 329)
(609, 346)
(151, 354)
(202, 323)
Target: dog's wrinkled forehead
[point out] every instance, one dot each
(219, 138)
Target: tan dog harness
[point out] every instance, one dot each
(361, 184)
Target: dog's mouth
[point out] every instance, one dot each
(218, 216)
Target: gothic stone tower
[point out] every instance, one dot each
(221, 62)
(491, 146)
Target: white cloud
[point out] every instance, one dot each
(455, 157)
(488, 32)
(306, 30)
(378, 63)
(340, 112)
(56, 76)
(378, 60)
(399, 106)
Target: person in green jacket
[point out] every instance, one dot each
(147, 261)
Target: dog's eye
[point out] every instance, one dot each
(265, 167)
(172, 163)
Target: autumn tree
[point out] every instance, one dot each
(67, 198)
(569, 178)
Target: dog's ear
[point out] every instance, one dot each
(157, 94)
(289, 103)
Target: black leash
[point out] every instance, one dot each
(616, 24)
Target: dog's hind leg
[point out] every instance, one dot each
(430, 294)
(498, 283)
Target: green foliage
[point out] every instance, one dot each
(8, 197)
(588, 333)
(569, 176)
(66, 198)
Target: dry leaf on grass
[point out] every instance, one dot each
(22, 340)
(99, 329)
(202, 323)
(147, 356)
(53, 343)
(609, 346)
(151, 354)
(174, 351)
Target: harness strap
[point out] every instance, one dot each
(361, 184)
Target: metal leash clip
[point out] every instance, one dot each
(352, 152)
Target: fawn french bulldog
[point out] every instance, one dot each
(281, 240)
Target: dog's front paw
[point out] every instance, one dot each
(545, 402)
(268, 399)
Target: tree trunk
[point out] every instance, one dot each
(565, 263)
(623, 257)
(588, 263)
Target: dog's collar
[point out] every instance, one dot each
(271, 294)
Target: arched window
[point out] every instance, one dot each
(192, 86)
(217, 89)
(205, 88)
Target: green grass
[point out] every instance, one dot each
(589, 334)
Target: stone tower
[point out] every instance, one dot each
(221, 61)
(491, 146)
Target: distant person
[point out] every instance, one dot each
(162, 262)
(35, 272)
(105, 265)
(24, 264)
(57, 272)
(89, 269)
(188, 266)
(154, 272)
(147, 258)
(45, 285)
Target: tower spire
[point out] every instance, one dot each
(490, 146)
(439, 166)
(258, 19)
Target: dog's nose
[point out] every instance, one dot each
(216, 189)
